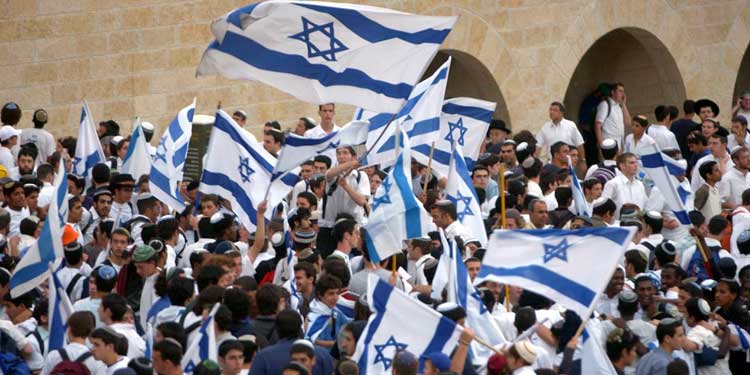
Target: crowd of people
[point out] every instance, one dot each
(292, 295)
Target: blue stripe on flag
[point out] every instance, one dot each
(614, 234)
(438, 156)
(443, 333)
(548, 278)
(371, 249)
(380, 297)
(160, 180)
(374, 32)
(420, 128)
(257, 55)
(682, 217)
(180, 155)
(378, 121)
(413, 221)
(220, 179)
(657, 161)
(296, 141)
(226, 127)
(476, 113)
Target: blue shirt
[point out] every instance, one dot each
(271, 360)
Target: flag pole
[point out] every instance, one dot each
(428, 176)
(585, 319)
(367, 152)
(397, 150)
(484, 343)
(503, 223)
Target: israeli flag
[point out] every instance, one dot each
(460, 191)
(579, 199)
(419, 118)
(203, 346)
(660, 169)
(298, 149)
(60, 309)
(549, 262)
(137, 160)
(169, 161)
(462, 293)
(323, 52)
(88, 149)
(464, 121)
(32, 269)
(388, 331)
(396, 215)
(240, 171)
(149, 338)
(594, 359)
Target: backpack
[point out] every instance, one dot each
(81, 358)
(12, 364)
(136, 219)
(189, 329)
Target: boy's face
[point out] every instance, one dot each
(330, 297)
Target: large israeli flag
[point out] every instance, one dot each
(397, 215)
(464, 121)
(462, 292)
(579, 199)
(549, 262)
(203, 346)
(60, 309)
(661, 169)
(460, 191)
(298, 149)
(88, 149)
(419, 118)
(169, 161)
(389, 331)
(137, 160)
(240, 171)
(327, 53)
(594, 358)
(32, 269)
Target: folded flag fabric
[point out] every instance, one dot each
(661, 169)
(137, 160)
(323, 52)
(460, 191)
(579, 199)
(88, 148)
(169, 161)
(298, 149)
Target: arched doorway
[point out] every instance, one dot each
(743, 75)
(470, 78)
(639, 60)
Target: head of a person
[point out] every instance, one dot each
(345, 154)
(638, 125)
(436, 363)
(321, 163)
(556, 111)
(113, 308)
(346, 232)
(303, 352)
(270, 299)
(616, 282)
(671, 334)
(289, 324)
(272, 140)
(480, 176)
(726, 293)
(646, 290)
(145, 259)
(621, 347)
(405, 363)
(14, 307)
(106, 343)
(617, 92)
(443, 213)
(560, 151)
(240, 117)
(710, 172)
(741, 158)
(709, 126)
(122, 188)
(523, 353)
(167, 356)
(327, 290)
(231, 357)
(592, 188)
(628, 164)
(304, 276)
(538, 214)
(327, 113)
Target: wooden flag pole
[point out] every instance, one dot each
(428, 175)
(503, 222)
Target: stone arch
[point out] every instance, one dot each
(469, 77)
(743, 74)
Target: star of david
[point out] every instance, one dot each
(161, 152)
(190, 367)
(381, 357)
(245, 170)
(559, 251)
(466, 200)
(385, 198)
(334, 45)
(76, 161)
(332, 145)
(458, 125)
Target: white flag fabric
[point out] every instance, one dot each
(203, 346)
(419, 118)
(594, 358)
(549, 262)
(298, 149)
(240, 171)
(388, 331)
(463, 293)
(137, 160)
(661, 169)
(327, 52)
(169, 161)
(397, 214)
(460, 191)
(88, 148)
(60, 309)
(579, 199)
(464, 121)
(32, 269)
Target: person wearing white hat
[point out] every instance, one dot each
(521, 356)
(8, 139)
(148, 133)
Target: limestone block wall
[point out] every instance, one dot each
(138, 57)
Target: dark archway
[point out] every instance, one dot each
(743, 75)
(639, 60)
(470, 78)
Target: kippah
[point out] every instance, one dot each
(704, 307)
(163, 218)
(509, 142)
(443, 202)
(628, 296)
(250, 338)
(144, 196)
(608, 144)
(656, 215)
(106, 272)
(306, 237)
(600, 201)
(116, 140)
(101, 191)
(528, 163)
(147, 126)
(217, 217)
(668, 247)
(708, 284)
(447, 306)
(304, 343)
(522, 146)
(73, 246)
(306, 253)
(735, 149)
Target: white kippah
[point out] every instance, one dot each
(654, 214)
(608, 144)
(147, 126)
(447, 306)
(522, 146)
(217, 217)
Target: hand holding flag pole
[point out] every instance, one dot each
(428, 175)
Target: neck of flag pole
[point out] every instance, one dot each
(585, 319)
(428, 175)
(385, 128)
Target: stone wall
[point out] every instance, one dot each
(138, 57)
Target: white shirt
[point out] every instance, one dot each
(740, 223)
(534, 189)
(121, 363)
(622, 190)
(136, 345)
(613, 126)
(419, 277)
(340, 201)
(73, 350)
(706, 338)
(732, 141)
(631, 145)
(121, 212)
(318, 132)
(66, 275)
(90, 304)
(15, 220)
(44, 141)
(663, 137)
(148, 296)
(457, 229)
(6, 158)
(732, 184)
(696, 180)
(565, 131)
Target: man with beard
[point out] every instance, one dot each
(24, 164)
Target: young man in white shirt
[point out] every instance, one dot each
(559, 129)
(327, 125)
(42, 139)
(718, 147)
(15, 198)
(8, 139)
(122, 207)
(104, 344)
(637, 136)
(625, 188)
(80, 325)
(612, 116)
(707, 197)
(660, 132)
(736, 179)
(742, 106)
(112, 312)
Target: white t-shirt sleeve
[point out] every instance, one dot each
(577, 137)
(364, 184)
(601, 111)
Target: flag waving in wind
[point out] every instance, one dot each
(166, 169)
(137, 160)
(661, 169)
(460, 191)
(298, 149)
(204, 345)
(579, 199)
(397, 215)
(389, 331)
(549, 262)
(33, 267)
(325, 52)
(60, 308)
(88, 148)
